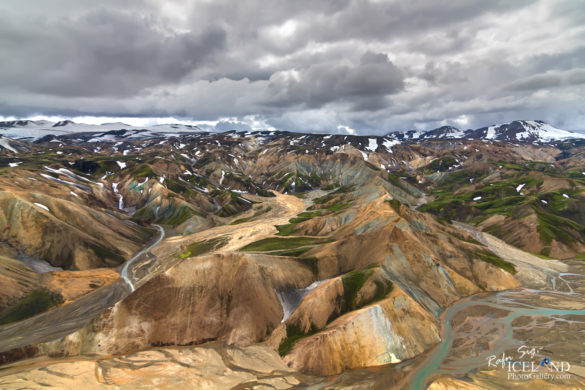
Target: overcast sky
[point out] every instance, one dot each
(369, 66)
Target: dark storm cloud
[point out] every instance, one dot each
(329, 65)
(372, 78)
(101, 53)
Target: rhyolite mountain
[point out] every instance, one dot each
(299, 255)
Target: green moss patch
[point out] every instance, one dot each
(104, 253)
(293, 335)
(311, 262)
(276, 243)
(286, 230)
(36, 302)
(491, 258)
(395, 204)
(352, 283)
(292, 252)
(143, 170)
(201, 247)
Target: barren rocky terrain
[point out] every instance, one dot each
(243, 260)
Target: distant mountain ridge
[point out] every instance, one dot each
(519, 131)
(515, 131)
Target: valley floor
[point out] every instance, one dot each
(473, 329)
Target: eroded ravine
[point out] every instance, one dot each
(66, 319)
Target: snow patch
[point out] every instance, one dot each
(389, 143)
(372, 144)
(491, 132)
(41, 206)
(121, 164)
(4, 143)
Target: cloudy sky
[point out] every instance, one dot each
(369, 66)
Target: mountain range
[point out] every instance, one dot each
(171, 256)
(516, 131)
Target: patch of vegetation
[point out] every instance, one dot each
(372, 166)
(249, 185)
(331, 186)
(177, 186)
(232, 204)
(201, 247)
(293, 334)
(556, 201)
(292, 252)
(144, 170)
(383, 288)
(315, 179)
(352, 283)
(199, 181)
(284, 180)
(500, 197)
(344, 189)
(469, 240)
(203, 161)
(182, 215)
(105, 253)
(286, 230)
(242, 220)
(276, 243)
(394, 180)
(38, 301)
(552, 227)
(305, 216)
(441, 164)
(337, 206)
(395, 204)
(311, 262)
(491, 258)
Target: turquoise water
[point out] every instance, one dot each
(431, 366)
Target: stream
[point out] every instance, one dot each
(65, 319)
(498, 313)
